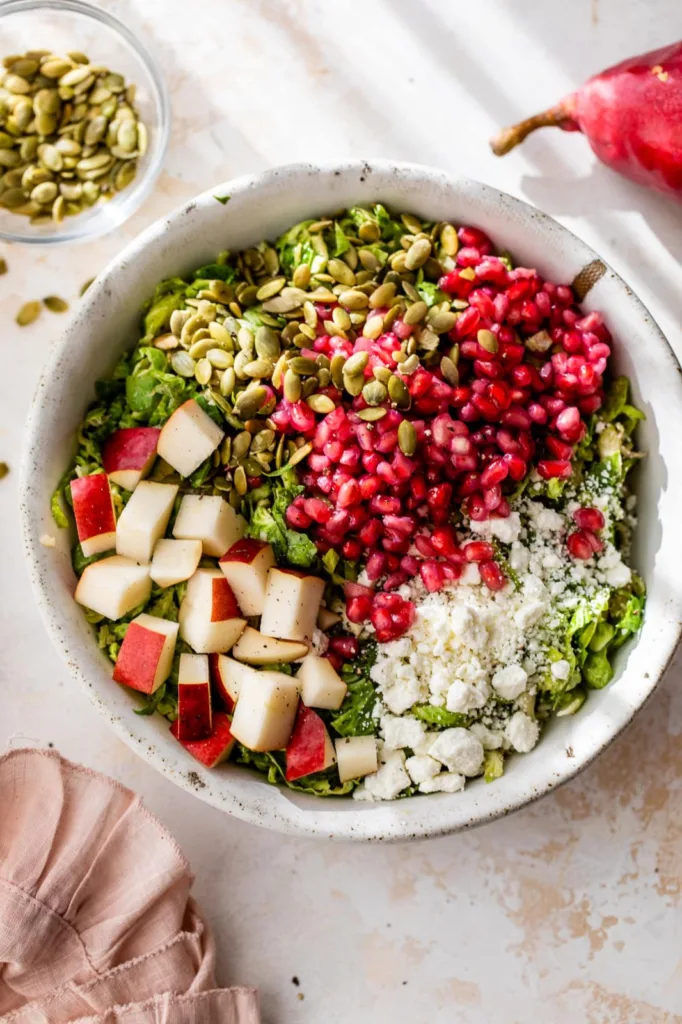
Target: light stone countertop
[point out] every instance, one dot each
(568, 911)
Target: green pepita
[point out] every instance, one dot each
(28, 313)
(487, 340)
(407, 438)
(397, 390)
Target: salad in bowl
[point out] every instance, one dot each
(354, 511)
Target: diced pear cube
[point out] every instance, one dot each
(210, 519)
(188, 438)
(144, 520)
(292, 602)
(113, 586)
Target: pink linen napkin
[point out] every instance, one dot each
(96, 922)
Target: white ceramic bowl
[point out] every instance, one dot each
(106, 323)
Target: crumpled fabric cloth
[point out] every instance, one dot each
(97, 925)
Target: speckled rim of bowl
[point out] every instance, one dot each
(286, 194)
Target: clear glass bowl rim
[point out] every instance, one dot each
(113, 214)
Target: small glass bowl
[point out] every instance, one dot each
(66, 25)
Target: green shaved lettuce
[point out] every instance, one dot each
(439, 717)
(267, 523)
(272, 764)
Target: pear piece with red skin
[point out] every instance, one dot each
(310, 749)
(128, 455)
(216, 748)
(93, 508)
(195, 711)
(146, 655)
(209, 617)
(631, 115)
(246, 565)
(218, 665)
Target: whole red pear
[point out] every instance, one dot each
(631, 115)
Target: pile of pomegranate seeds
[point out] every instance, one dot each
(509, 392)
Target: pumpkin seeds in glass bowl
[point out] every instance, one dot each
(84, 121)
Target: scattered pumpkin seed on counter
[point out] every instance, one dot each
(70, 135)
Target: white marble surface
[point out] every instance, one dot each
(565, 912)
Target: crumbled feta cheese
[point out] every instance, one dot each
(464, 697)
(518, 557)
(402, 732)
(386, 783)
(320, 642)
(561, 669)
(490, 740)
(446, 782)
(619, 575)
(422, 767)
(471, 576)
(459, 750)
(510, 681)
(522, 732)
(507, 530)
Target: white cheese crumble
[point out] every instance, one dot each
(522, 732)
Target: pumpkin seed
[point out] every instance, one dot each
(418, 253)
(203, 371)
(372, 414)
(267, 343)
(415, 313)
(300, 454)
(28, 313)
(341, 272)
(373, 326)
(353, 299)
(374, 392)
(183, 364)
(382, 295)
(369, 232)
(84, 287)
(219, 333)
(45, 193)
(292, 386)
(321, 404)
(270, 289)
(539, 342)
(449, 371)
(55, 304)
(219, 358)
(287, 301)
(369, 261)
(240, 481)
(487, 340)
(336, 369)
(228, 381)
(3, 266)
(407, 438)
(353, 383)
(449, 240)
(341, 319)
(249, 402)
(442, 322)
(166, 342)
(302, 365)
(301, 276)
(263, 441)
(397, 390)
(259, 368)
(356, 363)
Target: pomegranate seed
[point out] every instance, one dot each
(579, 546)
(443, 541)
(297, 519)
(352, 548)
(589, 518)
(409, 564)
(478, 551)
(492, 497)
(334, 659)
(346, 646)
(492, 575)
(432, 576)
(318, 510)
(338, 522)
(559, 449)
(568, 423)
(494, 473)
(370, 532)
(302, 417)
(516, 466)
(395, 580)
(403, 525)
(349, 494)
(350, 458)
(375, 565)
(549, 468)
(424, 546)
(384, 504)
(438, 499)
(358, 609)
(595, 542)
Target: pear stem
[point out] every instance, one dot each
(508, 138)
